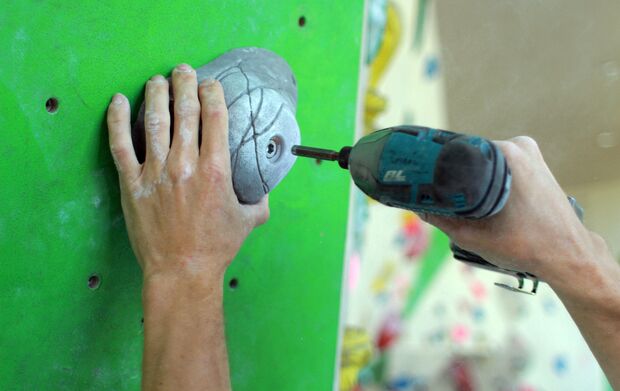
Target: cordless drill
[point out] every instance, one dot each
(432, 171)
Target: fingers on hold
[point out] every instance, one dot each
(157, 115)
(157, 120)
(121, 147)
(214, 119)
(185, 85)
(186, 108)
(212, 98)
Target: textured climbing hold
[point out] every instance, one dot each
(261, 96)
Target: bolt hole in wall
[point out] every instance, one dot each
(302, 21)
(94, 281)
(51, 105)
(233, 283)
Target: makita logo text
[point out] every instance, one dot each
(394, 176)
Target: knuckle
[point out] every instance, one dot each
(115, 121)
(511, 151)
(187, 107)
(216, 111)
(526, 143)
(154, 121)
(216, 174)
(118, 153)
(116, 118)
(175, 172)
(174, 176)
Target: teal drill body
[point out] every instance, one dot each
(431, 171)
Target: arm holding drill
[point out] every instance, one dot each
(538, 231)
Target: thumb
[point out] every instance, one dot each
(258, 214)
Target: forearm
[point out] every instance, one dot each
(539, 232)
(184, 343)
(592, 297)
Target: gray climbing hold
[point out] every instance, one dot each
(261, 96)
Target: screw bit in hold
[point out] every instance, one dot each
(324, 154)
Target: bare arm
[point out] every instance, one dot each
(538, 232)
(185, 225)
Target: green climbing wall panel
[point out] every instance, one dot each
(60, 217)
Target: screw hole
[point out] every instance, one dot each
(273, 148)
(94, 281)
(234, 283)
(142, 321)
(302, 21)
(51, 105)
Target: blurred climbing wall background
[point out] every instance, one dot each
(417, 319)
